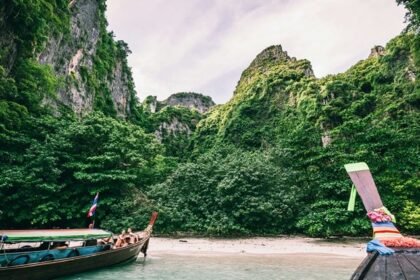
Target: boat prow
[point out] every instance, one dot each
(397, 257)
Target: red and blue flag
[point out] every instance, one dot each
(93, 207)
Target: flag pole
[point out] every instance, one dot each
(92, 211)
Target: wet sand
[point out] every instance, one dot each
(258, 246)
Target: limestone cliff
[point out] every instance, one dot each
(278, 93)
(265, 90)
(190, 100)
(174, 119)
(90, 66)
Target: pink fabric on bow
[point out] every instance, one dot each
(379, 216)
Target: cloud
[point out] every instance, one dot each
(203, 46)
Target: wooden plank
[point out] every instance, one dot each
(366, 188)
(414, 259)
(367, 180)
(377, 270)
(364, 266)
(361, 189)
(393, 268)
(409, 270)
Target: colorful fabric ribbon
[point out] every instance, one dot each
(385, 230)
(376, 245)
(390, 236)
(381, 215)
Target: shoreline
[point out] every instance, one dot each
(261, 246)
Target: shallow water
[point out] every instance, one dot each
(229, 266)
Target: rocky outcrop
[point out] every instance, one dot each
(120, 91)
(68, 53)
(190, 100)
(377, 51)
(269, 60)
(90, 65)
(272, 54)
(150, 104)
(175, 119)
(8, 46)
(264, 93)
(173, 127)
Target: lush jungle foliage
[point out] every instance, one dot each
(278, 116)
(174, 127)
(50, 166)
(269, 161)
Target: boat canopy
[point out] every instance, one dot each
(38, 235)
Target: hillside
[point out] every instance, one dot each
(174, 120)
(269, 161)
(67, 114)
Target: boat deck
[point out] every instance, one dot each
(404, 264)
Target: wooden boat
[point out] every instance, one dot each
(404, 263)
(75, 263)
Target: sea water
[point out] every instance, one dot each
(229, 266)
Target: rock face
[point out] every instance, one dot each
(8, 46)
(150, 104)
(175, 119)
(91, 66)
(271, 59)
(171, 128)
(272, 54)
(377, 51)
(67, 57)
(76, 52)
(190, 100)
(120, 91)
(263, 95)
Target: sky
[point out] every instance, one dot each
(204, 45)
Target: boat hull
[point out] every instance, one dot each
(403, 264)
(57, 268)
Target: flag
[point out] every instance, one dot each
(93, 207)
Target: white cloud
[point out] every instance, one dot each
(204, 45)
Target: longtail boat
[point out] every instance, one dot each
(94, 248)
(396, 256)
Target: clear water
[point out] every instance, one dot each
(232, 267)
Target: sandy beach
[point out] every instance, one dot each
(280, 258)
(258, 246)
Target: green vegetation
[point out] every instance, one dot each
(269, 161)
(108, 54)
(222, 193)
(30, 23)
(413, 13)
(280, 113)
(51, 168)
(174, 126)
